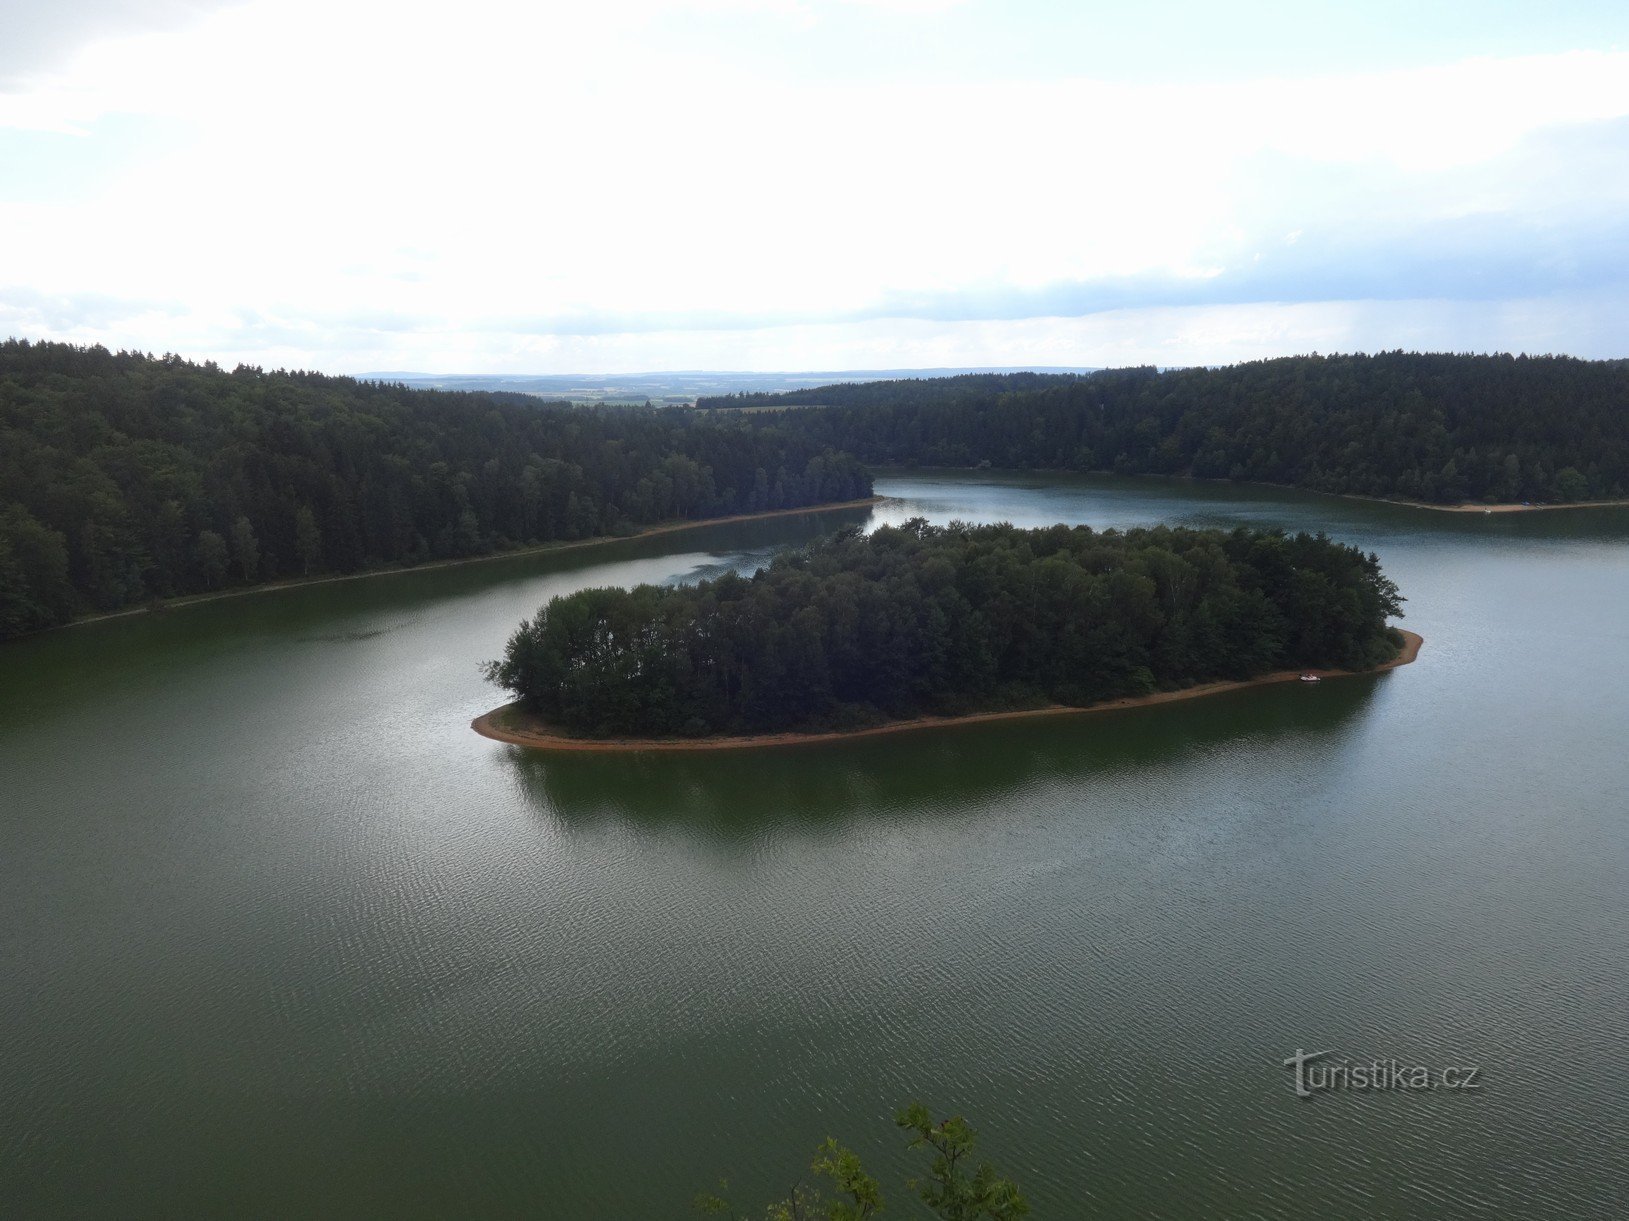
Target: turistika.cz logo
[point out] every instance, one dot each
(1316, 1075)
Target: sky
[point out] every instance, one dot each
(643, 185)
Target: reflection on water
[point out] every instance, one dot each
(729, 794)
(339, 637)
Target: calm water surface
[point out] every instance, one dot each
(279, 935)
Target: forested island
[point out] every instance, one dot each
(919, 620)
(126, 478)
(1438, 429)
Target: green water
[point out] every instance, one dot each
(280, 936)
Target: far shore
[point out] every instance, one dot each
(1468, 506)
(500, 724)
(1465, 507)
(599, 540)
(1473, 507)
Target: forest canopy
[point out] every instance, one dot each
(1437, 428)
(125, 477)
(919, 619)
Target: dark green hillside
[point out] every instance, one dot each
(125, 477)
(1438, 428)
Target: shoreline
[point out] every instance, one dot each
(541, 739)
(1468, 506)
(598, 540)
(1465, 506)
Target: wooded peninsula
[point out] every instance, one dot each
(1432, 428)
(126, 478)
(859, 630)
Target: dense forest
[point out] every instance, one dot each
(1437, 428)
(125, 477)
(919, 619)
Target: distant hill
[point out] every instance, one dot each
(676, 387)
(125, 478)
(1420, 426)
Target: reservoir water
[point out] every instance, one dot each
(280, 936)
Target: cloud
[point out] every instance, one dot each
(384, 173)
(917, 7)
(25, 311)
(43, 37)
(1478, 258)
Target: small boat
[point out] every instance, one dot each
(1311, 678)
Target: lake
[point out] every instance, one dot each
(282, 936)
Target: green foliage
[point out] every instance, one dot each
(307, 539)
(157, 477)
(1412, 426)
(949, 1191)
(246, 547)
(34, 587)
(212, 558)
(918, 619)
(842, 1166)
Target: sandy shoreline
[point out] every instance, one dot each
(538, 736)
(539, 549)
(1463, 507)
(1466, 507)
(1478, 508)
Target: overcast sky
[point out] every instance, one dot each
(356, 185)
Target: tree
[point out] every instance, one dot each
(34, 588)
(212, 558)
(1570, 484)
(246, 547)
(949, 1191)
(307, 539)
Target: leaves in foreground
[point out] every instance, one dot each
(953, 1190)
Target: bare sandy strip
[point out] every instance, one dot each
(508, 724)
(1466, 507)
(1499, 508)
(540, 549)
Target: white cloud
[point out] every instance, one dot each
(563, 162)
(39, 37)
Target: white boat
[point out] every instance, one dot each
(1311, 678)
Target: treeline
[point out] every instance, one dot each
(919, 620)
(125, 477)
(1437, 428)
(934, 391)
